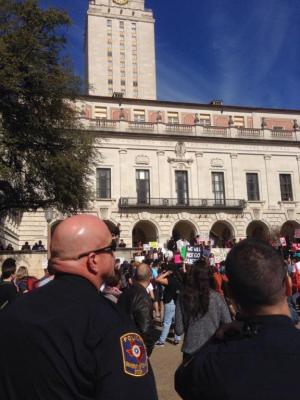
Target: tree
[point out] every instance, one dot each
(44, 157)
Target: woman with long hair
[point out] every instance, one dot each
(200, 309)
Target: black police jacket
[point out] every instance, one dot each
(261, 364)
(136, 302)
(65, 341)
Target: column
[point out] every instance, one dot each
(199, 161)
(235, 175)
(268, 176)
(160, 174)
(122, 173)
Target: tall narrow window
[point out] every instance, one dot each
(143, 186)
(182, 188)
(239, 121)
(173, 118)
(252, 187)
(100, 112)
(218, 187)
(286, 187)
(104, 183)
(139, 115)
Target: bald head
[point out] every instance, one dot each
(77, 235)
(74, 246)
(143, 273)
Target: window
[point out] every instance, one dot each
(173, 118)
(143, 186)
(109, 23)
(135, 84)
(110, 81)
(139, 115)
(205, 120)
(103, 183)
(122, 73)
(252, 187)
(286, 187)
(133, 26)
(239, 121)
(122, 64)
(121, 25)
(100, 112)
(218, 187)
(123, 82)
(109, 53)
(182, 189)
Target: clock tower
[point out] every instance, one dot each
(120, 49)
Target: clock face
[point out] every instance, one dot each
(121, 2)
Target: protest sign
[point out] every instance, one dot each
(282, 242)
(153, 245)
(193, 253)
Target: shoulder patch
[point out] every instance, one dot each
(135, 361)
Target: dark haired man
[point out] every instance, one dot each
(136, 302)
(261, 361)
(8, 291)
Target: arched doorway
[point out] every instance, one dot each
(258, 230)
(184, 230)
(145, 232)
(221, 233)
(111, 226)
(288, 230)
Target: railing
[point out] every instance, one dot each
(104, 123)
(215, 131)
(133, 202)
(249, 132)
(281, 134)
(160, 128)
(143, 126)
(179, 128)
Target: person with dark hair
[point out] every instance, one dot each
(136, 302)
(8, 290)
(172, 282)
(200, 310)
(259, 359)
(112, 287)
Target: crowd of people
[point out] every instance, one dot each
(91, 323)
(37, 246)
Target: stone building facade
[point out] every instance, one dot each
(168, 168)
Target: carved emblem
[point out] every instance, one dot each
(142, 160)
(180, 150)
(217, 163)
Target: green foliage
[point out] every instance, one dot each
(44, 157)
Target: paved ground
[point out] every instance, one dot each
(164, 362)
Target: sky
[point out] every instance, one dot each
(244, 52)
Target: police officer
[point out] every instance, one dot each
(65, 340)
(260, 360)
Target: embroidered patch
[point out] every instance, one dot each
(134, 354)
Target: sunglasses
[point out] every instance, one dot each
(109, 250)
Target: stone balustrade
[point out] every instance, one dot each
(103, 125)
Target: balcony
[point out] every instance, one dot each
(134, 202)
(197, 130)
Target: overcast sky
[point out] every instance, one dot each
(245, 52)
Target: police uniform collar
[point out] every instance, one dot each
(266, 320)
(75, 280)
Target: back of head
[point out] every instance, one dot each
(143, 273)
(8, 268)
(256, 274)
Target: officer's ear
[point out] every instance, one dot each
(92, 264)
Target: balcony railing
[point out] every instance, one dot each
(197, 130)
(179, 128)
(133, 202)
(143, 126)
